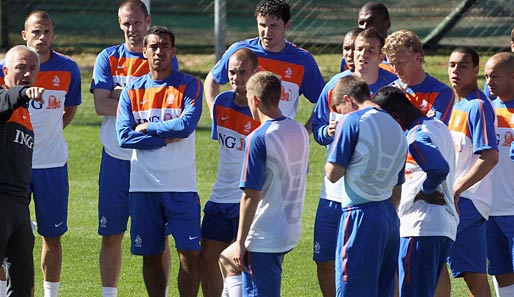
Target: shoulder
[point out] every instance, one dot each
(436, 84)
(62, 61)
(224, 98)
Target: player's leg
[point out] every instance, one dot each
(444, 287)
(219, 229)
(500, 242)
(420, 262)
(113, 213)
(20, 255)
(148, 239)
(367, 250)
(50, 192)
(388, 273)
(468, 256)
(231, 273)
(263, 275)
(326, 225)
(183, 222)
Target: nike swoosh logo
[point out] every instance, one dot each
(193, 237)
(58, 225)
(121, 67)
(224, 118)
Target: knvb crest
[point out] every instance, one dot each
(56, 81)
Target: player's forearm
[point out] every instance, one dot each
(482, 166)
(249, 202)
(212, 89)
(106, 102)
(69, 114)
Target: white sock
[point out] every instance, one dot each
(495, 283)
(109, 292)
(224, 293)
(3, 288)
(506, 291)
(51, 289)
(235, 285)
(166, 292)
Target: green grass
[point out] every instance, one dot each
(80, 274)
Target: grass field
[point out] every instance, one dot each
(80, 273)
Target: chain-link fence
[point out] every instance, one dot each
(89, 25)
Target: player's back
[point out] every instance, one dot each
(277, 223)
(378, 155)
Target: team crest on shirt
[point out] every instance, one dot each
(171, 99)
(248, 127)
(457, 122)
(288, 73)
(56, 81)
(424, 106)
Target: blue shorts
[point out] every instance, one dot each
(469, 251)
(158, 214)
(326, 226)
(113, 195)
(49, 188)
(420, 262)
(500, 239)
(220, 221)
(367, 250)
(263, 275)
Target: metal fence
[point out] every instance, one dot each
(89, 25)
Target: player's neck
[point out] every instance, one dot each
(466, 91)
(370, 77)
(509, 96)
(45, 57)
(240, 100)
(134, 48)
(416, 78)
(272, 114)
(160, 75)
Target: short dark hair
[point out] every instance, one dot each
(41, 14)
(371, 33)
(392, 99)
(266, 86)
(159, 30)
(475, 58)
(379, 7)
(135, 4)
(352, 86)
(278, 8)
(245, 53)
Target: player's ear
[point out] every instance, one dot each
(5, 70)
(144, 52)
(24, 34)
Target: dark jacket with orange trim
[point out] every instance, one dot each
(16, 143)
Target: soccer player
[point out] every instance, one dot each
(373, 15)
(499, 75)
(367, 56)
(60, 76)
(473, 130)
(348, 48)
(487, 92)
(297, 68)
(20, 69)
(405, 53)
(232, 122)
(368, 152)
(273, 183)
(428, 217)
(157, 117)
(115, 67)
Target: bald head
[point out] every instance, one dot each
(374, 15)
(499, 75)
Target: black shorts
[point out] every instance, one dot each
(16, 245)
